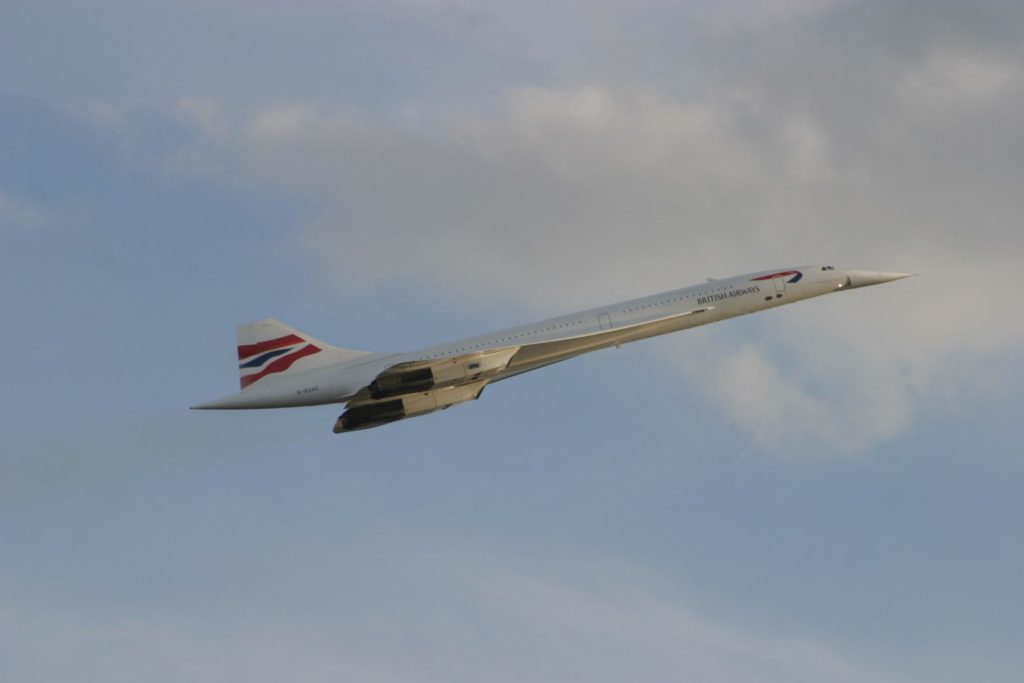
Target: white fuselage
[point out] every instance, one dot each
(556, 339)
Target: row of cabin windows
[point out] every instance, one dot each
(679, 298)
(656, 303)
(580, 322)
(511, 337)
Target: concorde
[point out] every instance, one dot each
(281, 367)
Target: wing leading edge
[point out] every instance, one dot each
(418, 387)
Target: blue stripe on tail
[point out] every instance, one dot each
(260, 360)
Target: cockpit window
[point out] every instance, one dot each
(828, 268)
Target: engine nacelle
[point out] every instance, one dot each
(376, 413)
(443, 373)
(402, 383)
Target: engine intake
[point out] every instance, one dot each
(402, 383)
(399, 381)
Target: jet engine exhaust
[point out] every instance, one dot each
(370, 415)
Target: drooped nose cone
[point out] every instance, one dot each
(865, 278)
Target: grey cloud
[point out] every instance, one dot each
(19, 214)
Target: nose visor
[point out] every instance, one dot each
(866, 278)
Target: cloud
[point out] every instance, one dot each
(809, 408)
(630, 632)
(745, 15)
(555, 186)
(961, 79)
(206, 113)
(19, 214)
(452, 617)
(565, 197)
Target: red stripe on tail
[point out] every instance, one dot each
(269, 345)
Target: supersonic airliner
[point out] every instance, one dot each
(281, 367)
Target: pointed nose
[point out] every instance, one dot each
(866, 278)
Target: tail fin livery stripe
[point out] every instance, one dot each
(247, 350)
(280, 365)
(260, 360)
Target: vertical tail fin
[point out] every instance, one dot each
(269, 349)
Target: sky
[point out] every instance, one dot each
(827, 491)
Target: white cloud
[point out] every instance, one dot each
(569, 196)
(561, 183)
(803, 402)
